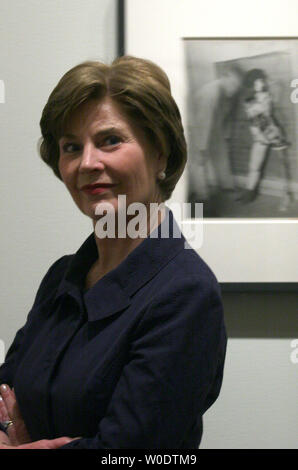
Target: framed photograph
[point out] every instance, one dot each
(241, 120)
(234, 75)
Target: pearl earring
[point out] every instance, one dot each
(161, 175)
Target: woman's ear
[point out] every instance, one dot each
(162, 161)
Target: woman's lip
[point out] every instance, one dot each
(96, 189)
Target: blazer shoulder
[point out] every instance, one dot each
(185, 291)
(189, 264)
(186, 275)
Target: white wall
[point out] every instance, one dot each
(39, 41)
(257, 407)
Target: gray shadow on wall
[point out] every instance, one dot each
(261, 314)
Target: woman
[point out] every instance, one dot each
(124, 346)
(266, 133)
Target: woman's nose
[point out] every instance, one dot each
(91, 158)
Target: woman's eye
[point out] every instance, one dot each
(70, 147)
(111, 140)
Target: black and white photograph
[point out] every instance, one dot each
(241, 122)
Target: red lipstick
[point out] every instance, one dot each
(96, 188)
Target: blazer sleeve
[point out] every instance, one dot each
(174, 373)
(8, 368)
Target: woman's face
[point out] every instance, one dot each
(101, 147)
(259, 84)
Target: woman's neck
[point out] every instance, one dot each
(113, 250)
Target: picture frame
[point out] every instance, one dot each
(258, 254)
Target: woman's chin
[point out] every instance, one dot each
(101, 209)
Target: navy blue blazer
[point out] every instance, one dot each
(134, 361)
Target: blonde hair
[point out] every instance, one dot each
(143, 92)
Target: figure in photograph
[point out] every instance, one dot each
(209, 168)
(267, 133)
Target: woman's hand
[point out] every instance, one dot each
(9, 411)
(43, 444)
(17, 436)
(4, 439)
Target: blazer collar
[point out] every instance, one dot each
(114, 291)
